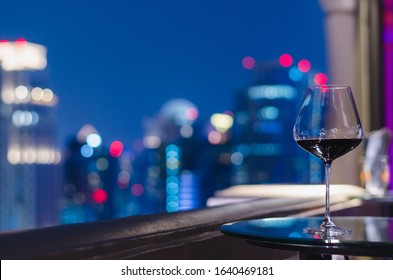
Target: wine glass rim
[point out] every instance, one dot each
(329, 86)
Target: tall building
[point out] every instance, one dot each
(166, 170)
(93, 178)
(264, 150)
(29, 159)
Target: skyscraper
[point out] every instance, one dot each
(29, 160)
(93, 178)
(167, 168)
(263, 147)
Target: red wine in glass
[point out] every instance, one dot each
(329, 149)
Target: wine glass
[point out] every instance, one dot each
(328, 126)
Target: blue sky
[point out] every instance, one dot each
(113, 62)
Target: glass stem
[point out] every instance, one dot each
(327, 221)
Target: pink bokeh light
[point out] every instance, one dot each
(248, 62)
(286, 60)
(304, 65)
(320, 79)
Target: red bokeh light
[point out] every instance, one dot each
(248, 62)
(286, 60)
(100, 196)
(304, 65)
(3, 41)
(115, 149)
(320, 79)
(324, 88)
(20, 41)
(137, 189)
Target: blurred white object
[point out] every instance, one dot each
(243, 193)
(376, 173)
(22, 55)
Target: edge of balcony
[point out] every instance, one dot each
(183, 235)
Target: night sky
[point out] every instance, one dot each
(113, 62)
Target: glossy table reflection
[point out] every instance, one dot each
(371, 236)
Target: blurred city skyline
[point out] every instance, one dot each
(113, 63)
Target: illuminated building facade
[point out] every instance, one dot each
(182, 187)
(29, 160)
(166, 171)
(182, 165)
(263, 147)
(95, 180)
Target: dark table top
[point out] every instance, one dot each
(371, 236)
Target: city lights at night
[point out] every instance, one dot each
(304, 65)
(195, 138)
(248, 62)
(286, 60)
(129, 71)
(21, 55)
(116, 148)
(132, 130)
(175, 121)
(320, 79)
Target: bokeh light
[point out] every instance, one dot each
(33, 155)
(84, 131)
(37, 94)
(102, 164)
(47, 95)
(320, 79)
(24, 118)
(221, 122)
(304, 65)
(295, 74)
(21, 41)
(248, 62)
(186, 131)
(100, 196)
(123, 179)
(269, 113)
(93, 140)
(115, 149)
(237, 158)
(214, 137)
(86, 151)
(286, 60)
(152, 141)
(21, 92)
(191, 114)
(137, 189)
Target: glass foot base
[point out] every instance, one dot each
(328, 231)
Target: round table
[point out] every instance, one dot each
(371, 236)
